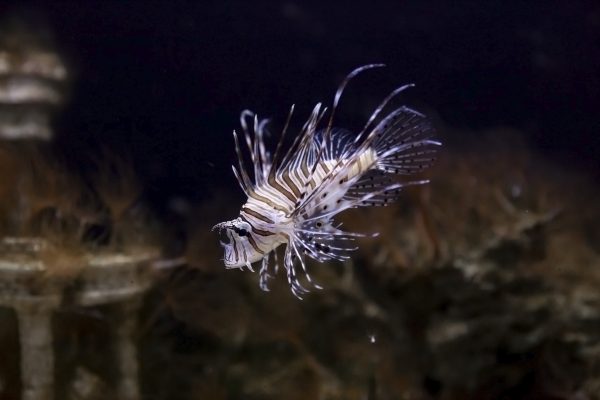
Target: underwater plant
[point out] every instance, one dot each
(295, 196)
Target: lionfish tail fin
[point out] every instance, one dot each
(404, 142)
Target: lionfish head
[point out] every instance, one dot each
(234, 238)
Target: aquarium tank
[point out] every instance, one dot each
(407, 207)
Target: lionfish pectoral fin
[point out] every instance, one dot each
(249, 266)
(289, 263)
(404, 142)
(377, 188)
(264, 275)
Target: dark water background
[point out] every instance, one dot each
(167, 80)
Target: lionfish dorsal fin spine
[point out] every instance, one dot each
(275, 162)
(240, 181)
(342, 87)
(301, 142)
(248, 139)
(380, 107)
(242, 169)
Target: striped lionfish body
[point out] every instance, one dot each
(295, 196)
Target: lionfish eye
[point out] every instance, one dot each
(242, 231)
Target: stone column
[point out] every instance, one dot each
(37, 353)
(126, 350)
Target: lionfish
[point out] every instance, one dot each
(295, 195)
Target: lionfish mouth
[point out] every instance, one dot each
(224, 238)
